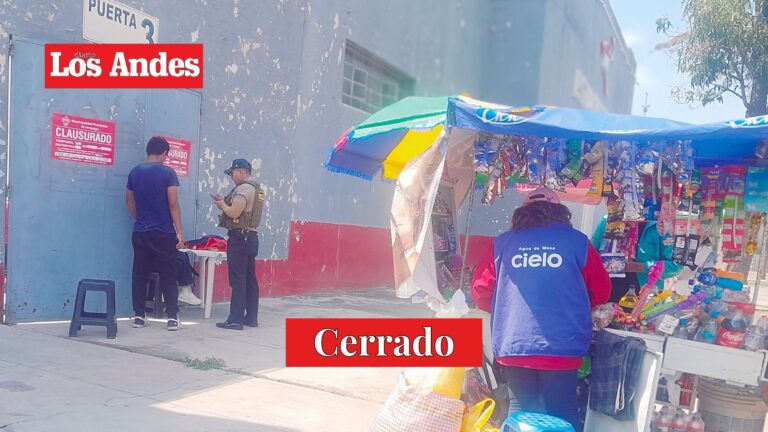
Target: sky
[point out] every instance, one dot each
(657, 70)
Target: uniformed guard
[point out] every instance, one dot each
(241, 212)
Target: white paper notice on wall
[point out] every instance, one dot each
(108, 21)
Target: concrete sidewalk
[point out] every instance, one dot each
(142, 380)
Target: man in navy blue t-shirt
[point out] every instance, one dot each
(153, 201)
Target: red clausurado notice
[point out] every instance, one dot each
(379, 342)
(84, 140)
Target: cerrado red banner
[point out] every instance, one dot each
(123, 66)
(376, 342)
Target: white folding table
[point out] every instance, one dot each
(206, 261)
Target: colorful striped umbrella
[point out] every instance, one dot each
(390, 138)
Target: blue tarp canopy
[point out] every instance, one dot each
(714, 143)
(390, 138)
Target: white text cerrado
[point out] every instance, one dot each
(122, 66)
(384, 346)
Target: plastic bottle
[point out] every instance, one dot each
(654, 419)
(696, 424)
(679, 424)
(716, 308)
(629, 300)
(691, 329)
(686, 384)
(681, 332)
(664, 420)
(754, 339)
(733, 329)
(708, 332)
(731, 296)
(707, 277)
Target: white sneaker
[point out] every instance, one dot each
(187, 296)
(174, 324)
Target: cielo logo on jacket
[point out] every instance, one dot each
(552, 260)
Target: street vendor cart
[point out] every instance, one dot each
(704, 187)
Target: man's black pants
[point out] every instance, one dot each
(155, 251)
(242, 248)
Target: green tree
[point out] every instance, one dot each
(723, 50)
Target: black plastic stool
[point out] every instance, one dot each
(157, 296)
(80, 317)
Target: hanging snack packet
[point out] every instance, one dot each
(553, 164)
(629, 243)
(615, 226)
(595, 157)
(709, 187)
(733, 223)
(755, 219)
(669, 205)
(573, 169)
(630, 184)
(647, 159)
(491, 189)
(533, 159)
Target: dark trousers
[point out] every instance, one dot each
(155, 250)
(545, 391)
(242, 248)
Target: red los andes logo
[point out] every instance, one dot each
(383, 342)
(124, 66)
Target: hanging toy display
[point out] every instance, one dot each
(610, 169)
(709, 192)
(630, 185)
(690, 201)
(595, 158)
(733, 213)
(669, 204)
(755, 219)
(573, 169)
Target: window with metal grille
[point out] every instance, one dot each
(369, 82)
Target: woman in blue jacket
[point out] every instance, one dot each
(539, 283)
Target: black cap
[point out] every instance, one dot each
(238, 163)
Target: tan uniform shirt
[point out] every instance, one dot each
(248, 192)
